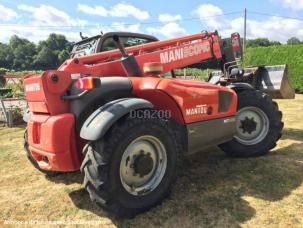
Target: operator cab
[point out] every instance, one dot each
(101, 43)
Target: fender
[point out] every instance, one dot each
(237, 87)
(109, 89)
(103, 118)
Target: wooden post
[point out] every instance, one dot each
(4, 111)
(10, 120)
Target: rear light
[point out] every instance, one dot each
(36, 133)
(86, 83)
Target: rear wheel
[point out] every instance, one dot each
(259, 125)
(133, 167)
(32, 159)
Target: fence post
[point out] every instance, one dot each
(10, 121)
(4, 110)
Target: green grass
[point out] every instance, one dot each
(195, 72)
(211, 191)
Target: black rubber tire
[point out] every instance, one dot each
(261, 100)
(32, 160)
(102, 162)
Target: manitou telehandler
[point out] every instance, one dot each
(112, 115)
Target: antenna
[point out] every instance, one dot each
(83, 37)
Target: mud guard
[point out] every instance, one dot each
(103, 118)
(240, 86)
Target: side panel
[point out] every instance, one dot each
(146, 88)
(188, 101)
(210, 133)
(199, 101)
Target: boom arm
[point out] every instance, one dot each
(172, 54)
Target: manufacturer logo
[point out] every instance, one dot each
(198, 110)
(32, 87)
(184, 52)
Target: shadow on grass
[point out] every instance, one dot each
(66, 178)
(295, 134)
(82, 200)
(211, 188)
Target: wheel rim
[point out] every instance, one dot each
(143, 165)
(252, 125)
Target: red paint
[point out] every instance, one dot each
(235, 40)
(108, 63)
(44, 95)
(54, 138)
(178, 95)
(51, 131)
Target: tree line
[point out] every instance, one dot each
(264, 42)
(21, 54)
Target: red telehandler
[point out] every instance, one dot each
(114, 116)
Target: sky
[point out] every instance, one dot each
(36, 19)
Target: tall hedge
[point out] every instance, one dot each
(275, 55)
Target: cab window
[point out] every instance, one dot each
(109, 44)
(83, 49)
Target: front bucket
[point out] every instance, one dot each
(274, 81)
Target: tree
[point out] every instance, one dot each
(263, 42)
(63, 55)
(293, 41)
(275, 43)
(57, 47)
(22, 51)
(45, 59)
(21, 54)
(6, 56)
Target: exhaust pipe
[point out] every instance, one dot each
(129, 62)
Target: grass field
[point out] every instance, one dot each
(212, 190)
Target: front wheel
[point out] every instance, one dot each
(133, 167)
(259, 125)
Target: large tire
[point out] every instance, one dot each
(106, 174)
(259, 125)
(32, 159)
